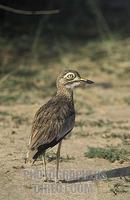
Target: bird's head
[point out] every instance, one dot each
(71, 79)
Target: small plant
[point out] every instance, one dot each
(79, 123)
(88, 110)
(67, 158)
(119, 188)
(111, 154)
(6, 99)
(4, 113)
(51, 156)
(19, 119)
(101, 123)
(127, 100)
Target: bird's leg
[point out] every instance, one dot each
(45, 171)
(57, 160)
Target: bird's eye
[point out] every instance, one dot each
(70, 76)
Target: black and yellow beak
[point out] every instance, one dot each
(78, 83)
(86, 81)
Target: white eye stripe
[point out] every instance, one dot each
(70, 75)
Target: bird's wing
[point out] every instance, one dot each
(51, 122)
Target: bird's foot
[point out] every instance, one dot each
(45, 179)
(57, 180)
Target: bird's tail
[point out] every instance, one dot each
(31, 156)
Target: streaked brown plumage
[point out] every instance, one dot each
(50, 121)
(54, 120)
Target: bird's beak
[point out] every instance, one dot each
(86, 81)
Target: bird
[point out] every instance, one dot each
(55, 119)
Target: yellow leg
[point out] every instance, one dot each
(57, 160)
(45, 171)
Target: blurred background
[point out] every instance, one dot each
(91, 36)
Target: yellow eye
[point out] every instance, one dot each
(70, 76)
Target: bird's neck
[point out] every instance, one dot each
(65, 92)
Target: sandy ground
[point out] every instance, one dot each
(20, 181)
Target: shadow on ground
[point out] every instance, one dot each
(103, 175)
